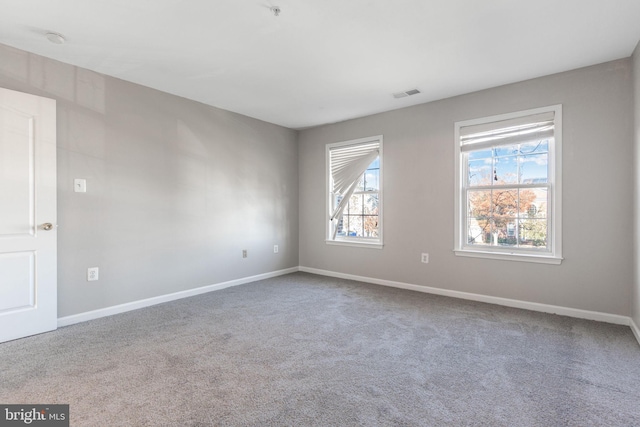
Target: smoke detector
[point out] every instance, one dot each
(275, 10)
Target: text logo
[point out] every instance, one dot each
(34, 415)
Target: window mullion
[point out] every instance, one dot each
(492, 219)
(518, 210)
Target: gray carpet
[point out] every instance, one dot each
(304, 350)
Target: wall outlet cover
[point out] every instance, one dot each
(92, 274)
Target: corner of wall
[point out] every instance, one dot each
(635, 301)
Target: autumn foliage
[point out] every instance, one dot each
(494, 210)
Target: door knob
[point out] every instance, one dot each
(47, 226)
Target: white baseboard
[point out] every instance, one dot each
(122, 308)
(533, 306)
(634, 329)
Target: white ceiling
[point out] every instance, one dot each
(328, 60)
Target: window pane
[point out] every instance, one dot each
(478, 232)
(355, 226)
(375, 164)
(370, 204)
(533, 203)
(360, 184)
(371, 226)
(534, 147)
(479, 172)
(527, 205)
(480, 154)
(534, 169)
(505, 228)
(371, 180)
(541, 202)
(506, 170)
(355, 205)
(533, 233)
(506, 150)
(479, 208)
(505, 203)
(343, 226)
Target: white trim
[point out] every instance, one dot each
(634, 329)
(541, 259)
(533, 306)
(355, 243)
(134, 305)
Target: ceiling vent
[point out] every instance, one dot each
(407, 93)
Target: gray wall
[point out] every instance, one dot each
(176, 189)
(636, 91)
(597, 272)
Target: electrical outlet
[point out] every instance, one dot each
(244, 253)
(425, 258)
(275, 249)
(92, 274)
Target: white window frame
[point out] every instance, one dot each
(376, 243)
(553, 255)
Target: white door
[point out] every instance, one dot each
(28, 282)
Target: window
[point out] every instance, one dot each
(508, 201)
(354, 187)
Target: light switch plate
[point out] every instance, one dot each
(80, 185)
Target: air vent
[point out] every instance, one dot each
(407, 93)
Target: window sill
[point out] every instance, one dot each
(354, 243)
(507, 256)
